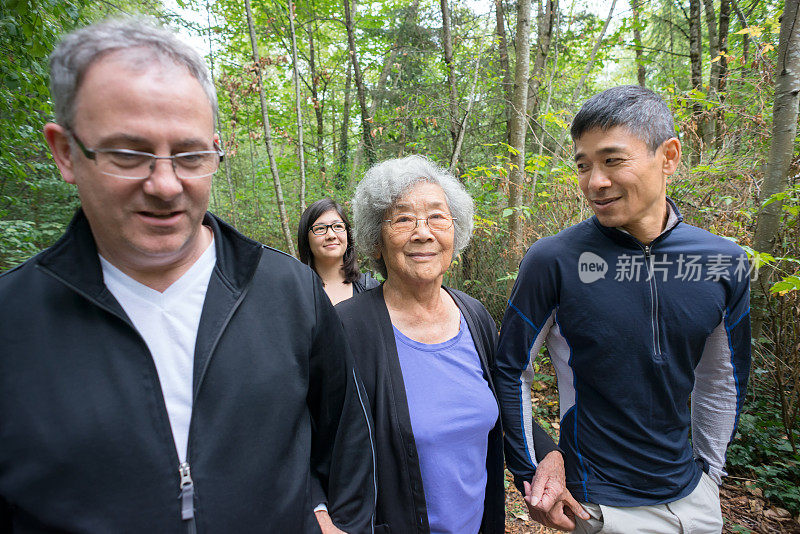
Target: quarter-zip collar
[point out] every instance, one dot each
(625, 239)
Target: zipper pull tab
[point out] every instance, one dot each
(647, 251)
(187, 491)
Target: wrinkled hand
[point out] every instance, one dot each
(548, 500)
(325, 523)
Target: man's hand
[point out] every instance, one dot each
(548, 500)
(325, 523)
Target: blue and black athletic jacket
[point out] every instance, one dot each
(649, 342)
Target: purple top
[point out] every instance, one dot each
(452, 411)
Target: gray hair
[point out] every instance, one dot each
(78, 50)
(386, 182)
(640, 110)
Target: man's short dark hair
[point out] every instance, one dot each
(640, 110)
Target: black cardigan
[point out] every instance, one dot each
(401, 498)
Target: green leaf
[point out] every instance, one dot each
(787, 284)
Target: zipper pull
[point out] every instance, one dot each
(187, 491)
(647, 251)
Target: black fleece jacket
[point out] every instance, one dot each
(85, 442)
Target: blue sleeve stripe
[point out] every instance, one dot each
(525, 362)
(584, 472)
(524, 318)
(731, 327)
(739, 398)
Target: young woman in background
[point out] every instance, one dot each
(325, 243)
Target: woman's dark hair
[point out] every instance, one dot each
(312, 213)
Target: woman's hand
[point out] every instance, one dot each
(548, 499)
(325, 523)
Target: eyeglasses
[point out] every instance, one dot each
(322, 229)
(404, 222)
(135, 165)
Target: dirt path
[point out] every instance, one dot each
(743, 510)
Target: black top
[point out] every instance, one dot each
(364, 282)
(401, 497)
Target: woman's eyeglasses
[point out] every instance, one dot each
(322, 229)
(405, 222)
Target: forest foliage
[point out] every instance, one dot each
(382, 79)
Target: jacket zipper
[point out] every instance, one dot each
(187, 496)
(653, 302)
(186, 485)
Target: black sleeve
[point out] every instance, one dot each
(542, 442)
(5, 516)
(342, 456)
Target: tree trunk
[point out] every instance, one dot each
(298, 108)
(231, 187)
(507, 85)
(719, 70)
(745, 61)
(447, 49)
(377, 95)
(319, 108)
(273, 166)
(671, 42)
(711, 23)
(747, 37)
(463, 126)
(253, 171)
(361, 91)
(637, 42)
(695, 57)
(519, 129)
(388, 62)
(533, 199)
(344, 138)
(334, 132)
(215, 202)
(593, 55)
(227, 164)
(709, 124)
(544, 35)
(784, 130)
(724, 29)
(545, 22)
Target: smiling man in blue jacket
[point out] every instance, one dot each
(646, 320)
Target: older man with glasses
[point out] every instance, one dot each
(159, 371)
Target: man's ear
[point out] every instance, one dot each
(672, 155)
(58, 140)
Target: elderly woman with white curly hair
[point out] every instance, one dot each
(425, 352)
